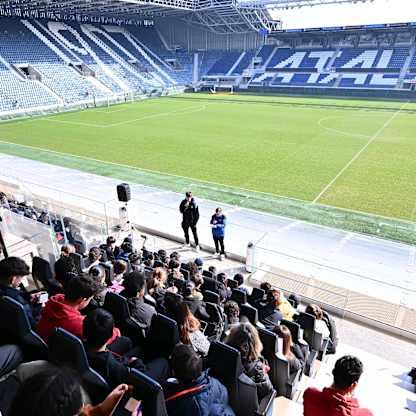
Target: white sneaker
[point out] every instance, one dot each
(222, 256)
(197, 248)
(186, 245)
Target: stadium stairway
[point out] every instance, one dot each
(142, 49)
(125, 69)
(89, 56)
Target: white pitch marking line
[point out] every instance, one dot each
(358, 154)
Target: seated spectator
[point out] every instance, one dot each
(98, 328)
(338, 399)
(57, 392)
(65, 266)
(189, 326)
(136, 261)
(175, 256)
(97, 274)
(222, 288)
(213, 270)
(198, 281)
(294, 300)
(239, 278)
(320, 325)
(232, 312)
(281, 304)
(65, 311)
(193, 392)
(199, 263)
(245, 338)
(156, 285)
(266, 286)
(290, 350)
(12, 272)
(174, 269)
(115, 285)
(134, 284)
(110, 248)
(125, 250)
(194, 299)
(94, 257)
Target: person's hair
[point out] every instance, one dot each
(111, 240)
(97, 273)
(296, 299)
(188, 194)
(213, 270)
(133, 283)
(186, 363)
(94, 254)
(120, 267)
(54, 392)
(127, 247)
(187, 323)
(245, 338)
(217, 210)
(98, 328)
(160, 274)
(232, 310)
(239, 278)
(221, 277)
(67, 249)
(174, 264)
(283, 331)
(266, 286)
(174, 255)
(82, 287)
(314, 310)
(162, 253)
(193, 268)
(12, 266)
(275, 296)
(134, 258)
(347, 370)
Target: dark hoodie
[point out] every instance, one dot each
(330, 402)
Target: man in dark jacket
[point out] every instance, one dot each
(12, 271)
(338, 399)
(98, 328)
(194, 392)
(134, 292)
(190, 216)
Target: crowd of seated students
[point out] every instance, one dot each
(155, 283)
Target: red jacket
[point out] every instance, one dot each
(329, 402)
(56, 314)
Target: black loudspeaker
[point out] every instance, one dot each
(123, 192)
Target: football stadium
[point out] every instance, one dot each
(207, 208)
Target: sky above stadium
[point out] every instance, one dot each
(378, 11)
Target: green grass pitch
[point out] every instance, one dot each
(352, 154)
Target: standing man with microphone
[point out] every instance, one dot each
(190, 216)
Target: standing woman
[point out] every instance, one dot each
(218, 223)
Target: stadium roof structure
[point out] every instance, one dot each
(221, 16)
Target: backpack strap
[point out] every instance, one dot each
(186, 391)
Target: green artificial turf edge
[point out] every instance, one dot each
(359, 222)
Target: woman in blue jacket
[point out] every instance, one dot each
(218, 223)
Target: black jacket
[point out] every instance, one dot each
(190, 212)
(141, 311)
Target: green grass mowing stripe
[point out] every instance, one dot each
(314, 213)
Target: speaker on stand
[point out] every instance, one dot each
(124, 196)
